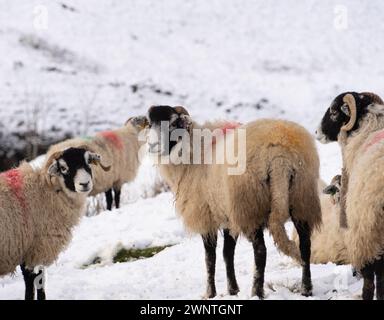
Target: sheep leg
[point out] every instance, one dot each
(368, 273)
(117, 192)
(210, 242)
(260, 255)
(229, 253)
(29, 278)
(304, 233)
(40, 286)
(379, 270)
(109, 198)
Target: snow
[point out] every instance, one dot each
(99, 63)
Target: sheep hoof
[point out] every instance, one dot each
(259, 292)
(233, 291)
(306, 292)
(211, 293)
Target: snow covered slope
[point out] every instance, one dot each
(76, 67)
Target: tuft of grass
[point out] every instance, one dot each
(127, 255)
(132, 254)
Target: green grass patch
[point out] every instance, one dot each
(132, 254)
(127, 255)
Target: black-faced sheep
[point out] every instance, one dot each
(356, 120)
(119, 148)
(38, 208)
(279, 181)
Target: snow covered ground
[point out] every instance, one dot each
(77, 67)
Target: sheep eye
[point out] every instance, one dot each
(63, 169)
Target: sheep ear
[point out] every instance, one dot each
(331, 189)
(53, 169)
(345, 109)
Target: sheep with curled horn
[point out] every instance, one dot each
(119, 149)
(279, 183)
(356, 121)
(39, 208)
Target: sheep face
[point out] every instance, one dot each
(334, 189)
(73, 169)
(166, 126)
(339, 114)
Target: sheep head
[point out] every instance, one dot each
(72, 169)
(345, 114)
(166, 126)
(334, 189)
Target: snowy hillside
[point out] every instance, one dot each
(74, 67)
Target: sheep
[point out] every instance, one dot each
(118, 148)
(327, 243)
(39, 208)
(356, 121)
(280, 181)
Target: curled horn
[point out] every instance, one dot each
(375, 98)
(350, 101)
(181, 110)
(54, 156)
(129, 119)
(94, 158)
(140, 121)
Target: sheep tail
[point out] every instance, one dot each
(280, 176)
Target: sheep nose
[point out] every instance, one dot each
(316, 132)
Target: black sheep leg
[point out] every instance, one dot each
(40, 285)
(117, 192)
(109, 198)
(304, 233)
(210, 243)
(260, 255)
(379, 271)
(368, 273)
(229, 253)
(29, 278)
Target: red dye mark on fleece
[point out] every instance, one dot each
(376, 138)
(226, 127)
(113, 138)
(15, 183)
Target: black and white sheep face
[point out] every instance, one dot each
(166, 126)
(338, 114)
(73, 169)
(334, 189)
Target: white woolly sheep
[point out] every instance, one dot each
(279, 182)
(38, 208)
(356, 120)
(119, 148)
